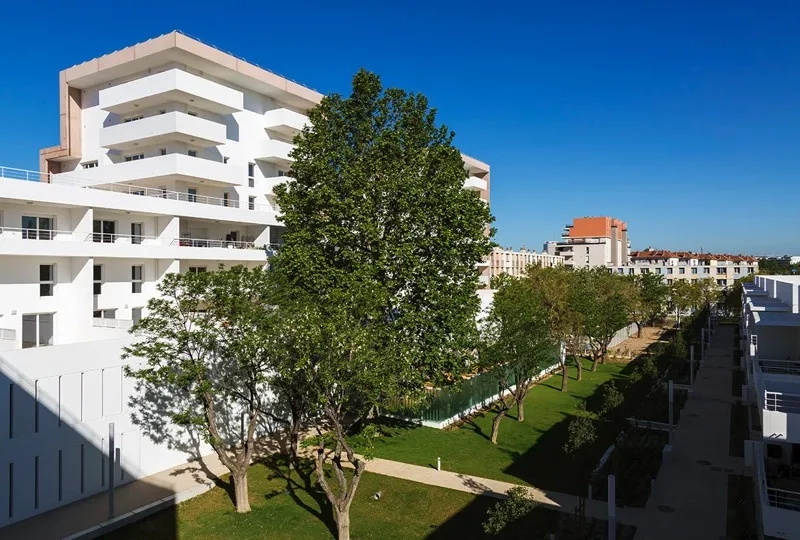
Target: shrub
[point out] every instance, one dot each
(580, 433)
(612, 398)
(519, 504)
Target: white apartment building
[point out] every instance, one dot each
(684, 265)
(169, 154)
(592, 241)
(514, 263)
(770, 343)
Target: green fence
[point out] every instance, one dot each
(445, 403)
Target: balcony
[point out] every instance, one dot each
(169, 167)
(474, 183)
(275, 151)
(119, 324)
(8, 334)
(778, 496)
(174, 85)
(778, 398)
(163, 128)
(285, 122)
(274, 181)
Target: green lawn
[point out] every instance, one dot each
(297, 509)
(528, 452)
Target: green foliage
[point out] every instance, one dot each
(612, 398)
(604, 300)
(581, 433)
(519, 504)
(649, 297)
(732, 301)
(646, 370)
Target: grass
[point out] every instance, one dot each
(285, 507)
(528, 452)
(741, 522)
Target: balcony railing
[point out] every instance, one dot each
(22, 233)
(209, 243)
(779, 367)
(782, 498)
(156, 193)
(120, 324)
(8, 333)
(112, 238)
(782, 402)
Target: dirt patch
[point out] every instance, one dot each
(633, 346)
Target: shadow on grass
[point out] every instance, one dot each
(300, 479)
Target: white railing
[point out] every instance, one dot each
(209, 243)
(113, 238)
(781, 367)
(782, 402)
(120, 324)
(8, 333)
(785, 499)
(35, 234)
(67, 179)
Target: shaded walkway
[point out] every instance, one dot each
(690, 496)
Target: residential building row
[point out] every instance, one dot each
(770, 359)
(588, 242)
(684, 265)
(170, 151)
(514, 263)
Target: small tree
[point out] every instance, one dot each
(682, 297)
(516, 345)
(207, 338)
(648, 299)
(606, 309)
(519, 504)
(612, 399)
(581, 433)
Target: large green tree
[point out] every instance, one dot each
(606, 309)
(382, 241)
(516, 345)
(649, 297)
(206, 343)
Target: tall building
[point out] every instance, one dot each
(169, 154)
(675, 265)
(770, 360)
(514, 263)
(592, 241)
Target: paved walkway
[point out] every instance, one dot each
(690, 496)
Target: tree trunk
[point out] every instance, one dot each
(496, 425)
(639, 329)
(595, 361)
(564, 376)
(579, 364)
(521, 409)
(342, 523)
(240, 491)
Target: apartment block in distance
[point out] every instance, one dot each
(674, 265)
(169, 154)
(592, 241)
(514, 263)
(770, 345)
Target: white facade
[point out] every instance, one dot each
(770, 334)
(514, 263)
(170, 153)
(724, 270)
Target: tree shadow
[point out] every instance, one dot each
(300, 479)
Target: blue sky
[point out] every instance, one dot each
(681, 118)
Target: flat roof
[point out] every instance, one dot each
(765, 303)
(773, 318)
(751, 289)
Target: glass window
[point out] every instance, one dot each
(37, 330)
(37, 228)
(669, 270)
(132, 118)
(89, 164)
(46, 279)
(252, 203)
(104, 231)
(136, 233)
(681, 270)
(192, 153)
(136, 278)
(98, 278)
(105, 314)
(197, 269)
(162, 151)
(694, 270)
(134, 157)
(136, 314)
(192, 194)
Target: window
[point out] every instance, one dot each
(134, 157)
(37, 228)
(136, 233)
(669, 270)
(251, 174)
(105, 314)
(162, 111)
(669, 282)
(251, 203)
(197, 269)
(37, 330)
(225, 159)
(191, 113)
(749, 269)
(192, 192)
(658, 270)
(681, 270)
(163, 190)
(162, 151)
(136, 314)
(47, 279)
(737, 270)
(89, 164)
(722, 282)
(132, 118)
(192, 153)
(694, 270)
(137, 272)
(104, 231)
(645, 270)
(283, 173)
(630, 271)
(620, 270)
(721, 271)
(706, 270)
(97, 278)
(225, 199)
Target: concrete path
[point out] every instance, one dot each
(690, 496)
(181, 482)
(562, 502)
